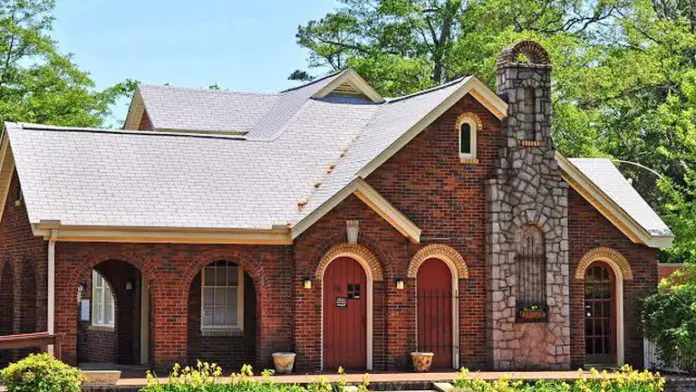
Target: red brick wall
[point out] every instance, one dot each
(170, 270)
(446, 199)
(145, 123)
(588, 229)
(22, 269)
(388, 245)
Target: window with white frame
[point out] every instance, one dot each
(222, 302)
(467, 137)
(103, 312)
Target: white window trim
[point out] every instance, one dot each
(224, 330)
(98, 319)
(474, 130)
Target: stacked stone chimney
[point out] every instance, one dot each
(527, 227)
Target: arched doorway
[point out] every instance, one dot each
(345, 315)
(600, 314)
(435, 303)
(222, 316)
(113, 303)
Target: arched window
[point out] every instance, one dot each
(103, 312)
(531, 274)
(467, 128)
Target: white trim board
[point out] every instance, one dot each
(373, 199)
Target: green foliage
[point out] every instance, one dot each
(669, 319)
(39, 84)
(207, 377)
(41, 373)
(623, 75)
(625, 380)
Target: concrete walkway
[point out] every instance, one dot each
(376, 378)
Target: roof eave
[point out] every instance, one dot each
(277, 235)
(608, 208)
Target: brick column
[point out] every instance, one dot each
(168, 321)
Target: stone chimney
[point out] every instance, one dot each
(527, 223)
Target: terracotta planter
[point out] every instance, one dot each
(101, 377)
(283, 362)
(422, 361)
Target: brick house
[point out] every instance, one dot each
(328, 221)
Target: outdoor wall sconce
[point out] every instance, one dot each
(82, 288)
(400, 284)
(129, 285)
(352, 230)
(307, 282)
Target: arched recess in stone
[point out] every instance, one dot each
(618, 263)
(531, 49)
(439, 251)
(355, 251)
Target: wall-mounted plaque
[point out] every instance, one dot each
(341, 302)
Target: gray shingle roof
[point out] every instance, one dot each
(607, 177)
(91, 177)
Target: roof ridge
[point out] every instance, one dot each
(208, 90)
(113, 131)
(429, 90)
(311, 82)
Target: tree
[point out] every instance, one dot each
(623, 74)
(39, 84)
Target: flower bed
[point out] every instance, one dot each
(625, 380)
(208, 378)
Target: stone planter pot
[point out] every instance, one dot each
(283, 362)
(101, 377)
(422, 361)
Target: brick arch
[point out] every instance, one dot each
(469, 116)
(146, 265)
(242, 259)
(439, 251)
(354, 251)
(532, 49)
(616, 260)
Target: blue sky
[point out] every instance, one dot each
(241, 45)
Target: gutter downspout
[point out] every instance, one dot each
(52, 284)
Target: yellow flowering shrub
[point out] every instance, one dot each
(624, 380)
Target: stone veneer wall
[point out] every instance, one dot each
(527, 190)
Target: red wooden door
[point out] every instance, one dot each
(345, 315)
(434, 282)
(600, 338)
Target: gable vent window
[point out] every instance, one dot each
(467, 129)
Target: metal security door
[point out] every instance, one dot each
(345, 315)
(434, 284)
(600, 346)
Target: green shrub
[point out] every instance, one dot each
(207, 377)
(41, 373)
(668, 319)
(625, 380)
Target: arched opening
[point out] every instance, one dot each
(601, 313)
(436, 286)
(222, 316)
(114, 314)
(346, 314)
(7, 284)
(529, 113)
